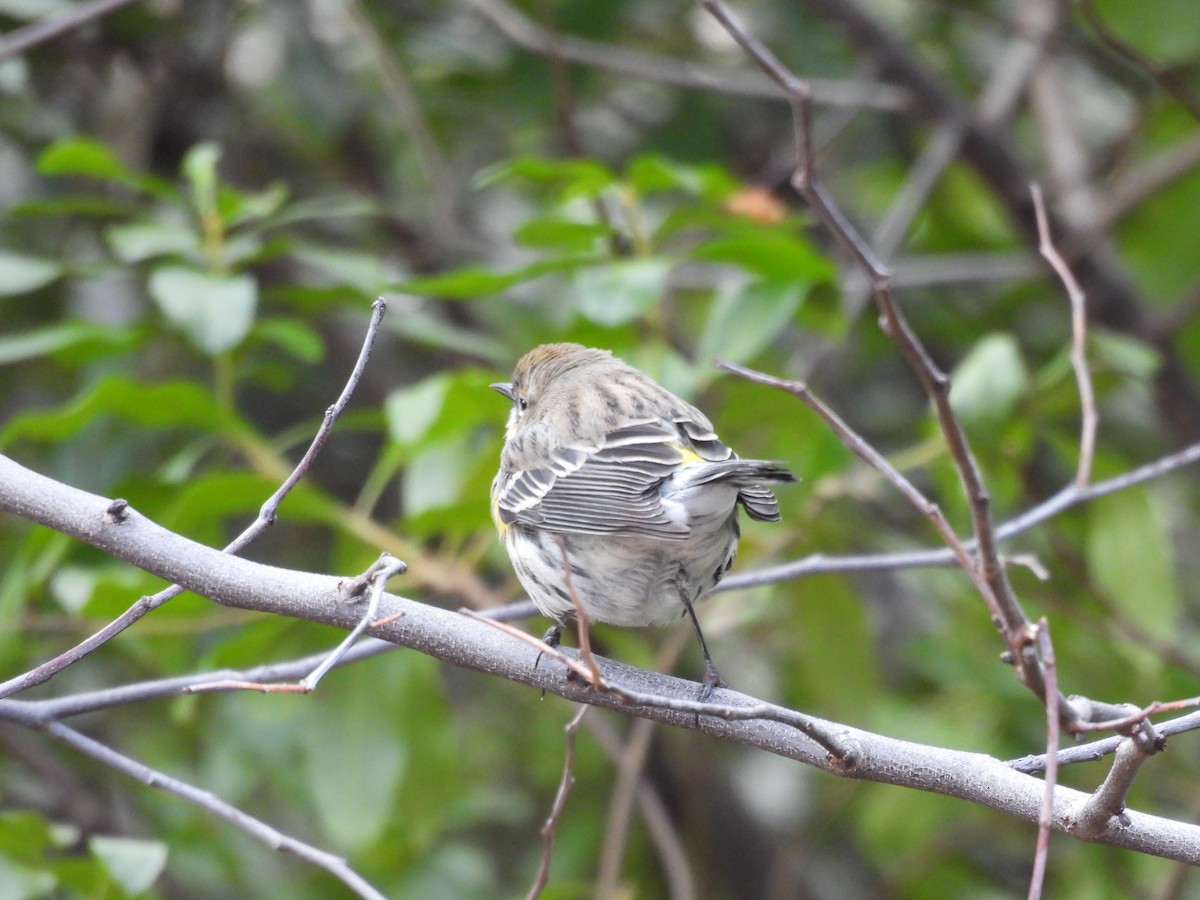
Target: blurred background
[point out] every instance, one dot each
(198, 203)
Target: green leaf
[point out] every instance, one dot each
(352, 767)
(54, 338)
(83, 156)
(411, 410)
(434, 476)
(200, 169)
(563, 234)
(138, 241)
(473, 281)
(744, 320)
(323, 209)
(575, 177)
(362, 271)
(19, 882)
(772, 255)
(133, 864)
(240, 207)
(1124, 354)
(621, 291)
(1130, 556)
(293, 335)
(152, 405)
(20, 274)
(651, 173)
(990, 381)
(214, 311)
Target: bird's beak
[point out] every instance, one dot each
(503, 387)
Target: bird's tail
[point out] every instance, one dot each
(751, 477)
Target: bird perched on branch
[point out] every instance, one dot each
(607, 472)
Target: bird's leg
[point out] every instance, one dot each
(552, 638)
(712, 678)
(553, 634)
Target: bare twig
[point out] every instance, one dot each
(987, 571)
(1144, 181)
(207, 801)
(523, 31)
(398, 90)
(581, 616)
(379, 573)
(1004, 88)
(1070, 496)
(630, 762)
(860, 447)
(1046, 819)
(1123, 724)
(1096, 814)
(1167, 79)
(56, 25)
(266, 517)
(550, 827)
(1083, 377)
(659, 825)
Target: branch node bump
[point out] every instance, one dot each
(117, 511)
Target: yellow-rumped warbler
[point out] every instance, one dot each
(632, 482)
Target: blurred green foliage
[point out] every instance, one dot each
(199, 203)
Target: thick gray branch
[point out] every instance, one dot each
(474, 645)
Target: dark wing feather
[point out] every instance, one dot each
(609, 489)
(759, 502)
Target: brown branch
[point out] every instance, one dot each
(1046, 820)
(986, 571)
(550, 827)
(1114, 300)
(29, 36)
(1166, 79)
(206, 800)
(1083, 376)
(1070, 496)
(524, 32)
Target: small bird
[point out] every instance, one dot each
(606, 471)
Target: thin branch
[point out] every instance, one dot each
(550, 827)
(1004, 88)
(1070, 496)
(581, 616)
(266, 518)
(863, 449)
(398, 90)
(524, 32)
(1166, 79)
(29, 36)
(209, 802)
(987, 573)
(1046, 820)
(1083, 376)
(379, 573)
(657, 818)
(1095, 815)
(630, 762)
(1124, 724)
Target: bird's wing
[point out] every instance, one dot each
(611, 487)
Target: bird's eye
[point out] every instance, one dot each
(522, 404)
